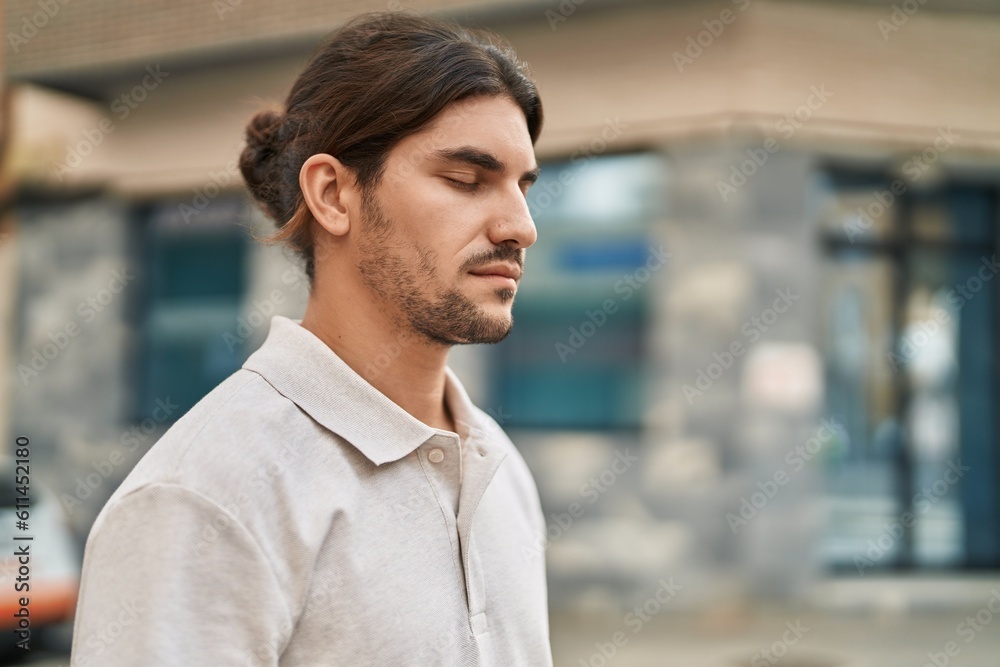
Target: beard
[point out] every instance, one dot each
(441, 315)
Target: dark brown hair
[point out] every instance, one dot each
(377, 79)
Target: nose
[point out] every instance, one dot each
(513, 224)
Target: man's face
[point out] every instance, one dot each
(450, 208)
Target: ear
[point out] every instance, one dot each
(329, 192)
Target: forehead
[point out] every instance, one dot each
(495, 124)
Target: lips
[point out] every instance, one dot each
(505, 270)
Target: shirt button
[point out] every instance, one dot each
(436, 455)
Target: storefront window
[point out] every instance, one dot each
(910, 327)
(575, 356)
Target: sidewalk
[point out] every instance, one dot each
(788, 638)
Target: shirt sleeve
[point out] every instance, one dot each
(172, 578)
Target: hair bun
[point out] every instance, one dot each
(260, 162)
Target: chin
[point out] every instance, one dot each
(503, 303)
(494, 325)
(467, 319)
(505, 297)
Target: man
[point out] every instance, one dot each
(339, 500)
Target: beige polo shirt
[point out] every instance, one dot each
(296, 516)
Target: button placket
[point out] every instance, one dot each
(443, 479)
(441, 459)
(479, 471)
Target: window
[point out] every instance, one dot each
(910, 308)
(575, 356)
(195, 281)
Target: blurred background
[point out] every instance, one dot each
(755, 362)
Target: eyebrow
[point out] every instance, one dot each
(482, 159)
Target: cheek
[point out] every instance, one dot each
(422, 206)
(451, 208)
(445, 222)
(445, 225)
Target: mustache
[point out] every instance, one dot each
(499, 254)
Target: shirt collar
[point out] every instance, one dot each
(304, 369)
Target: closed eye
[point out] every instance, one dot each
(462, 185)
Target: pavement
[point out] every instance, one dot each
(785, 637)
(758, 637)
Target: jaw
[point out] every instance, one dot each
(460, 318)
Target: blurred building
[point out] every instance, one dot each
(756, 341)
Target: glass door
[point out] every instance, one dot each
(910, 342)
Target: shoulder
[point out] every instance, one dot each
(243, 437)
(244, 463)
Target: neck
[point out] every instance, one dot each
(404, 366)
